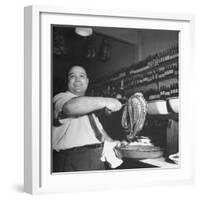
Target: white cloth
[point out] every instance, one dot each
(109, 155)
(72, 132)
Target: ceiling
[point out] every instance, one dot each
(122, 34)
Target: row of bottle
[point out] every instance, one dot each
(162, 71)
(163, 56)
(163, 92)
(153, 75)
(171, 91)
(152, 61)
(168, 70)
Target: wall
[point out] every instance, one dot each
(122, 55)
(12, 83)
(144, 44)
(152, 42)
(123, 34)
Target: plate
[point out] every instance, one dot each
(140, 151)
(174, 158)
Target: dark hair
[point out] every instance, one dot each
(68, 70)
(74, 65)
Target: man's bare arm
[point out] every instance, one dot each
(84, 105)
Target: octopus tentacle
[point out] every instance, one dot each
(136, 112)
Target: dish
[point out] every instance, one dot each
(175, 158)
(157, 107)
(140, 151)
(174, 104)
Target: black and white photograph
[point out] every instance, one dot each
(115, 99)
(107, 99)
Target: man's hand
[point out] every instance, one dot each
(112, 104)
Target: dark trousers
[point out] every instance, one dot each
(78, 159)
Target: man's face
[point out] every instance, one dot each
(77, 80)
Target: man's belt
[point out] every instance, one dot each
(90, 146)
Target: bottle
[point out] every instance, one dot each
(161, 92)
(153, 75)
(177, 90)
(172, 69)
(166, 92)
(172, 90)
(157, 93)
(165, 72)
(152, 94)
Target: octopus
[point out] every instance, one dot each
(134, 114)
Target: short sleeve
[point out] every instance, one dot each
(59, 100)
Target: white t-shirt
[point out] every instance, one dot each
(72, 132)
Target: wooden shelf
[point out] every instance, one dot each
(154, 81)
(154, 67)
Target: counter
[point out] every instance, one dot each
(130, 163)
(160, 162)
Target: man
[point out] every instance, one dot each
(116, 132)
(78, 136)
